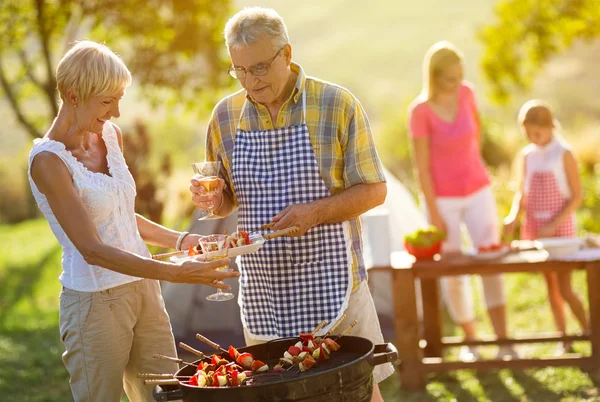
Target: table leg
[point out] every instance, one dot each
(593, 279)
(407, 329)
(432, 317)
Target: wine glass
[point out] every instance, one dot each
(207, 173)
(214, 247)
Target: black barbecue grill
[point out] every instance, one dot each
(346, 377)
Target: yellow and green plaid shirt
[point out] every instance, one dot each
(339, 133)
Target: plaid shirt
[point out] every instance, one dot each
(339, 133)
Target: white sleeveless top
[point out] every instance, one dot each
(110, 203)
(547, 158)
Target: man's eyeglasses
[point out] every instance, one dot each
(258, 70)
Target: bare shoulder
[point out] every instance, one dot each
(569, 157)
(49, 171)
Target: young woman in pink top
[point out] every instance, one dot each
(549, 194)
(444, 126)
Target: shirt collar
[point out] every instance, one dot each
(300, 83)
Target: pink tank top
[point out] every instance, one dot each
(456, 165)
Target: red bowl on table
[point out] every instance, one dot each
(423, 252)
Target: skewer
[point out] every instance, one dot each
(172, 359)
(334, 326)
(347, 329)
(152, 376)
(192, 350)
(282, 232)
(170, 254)
(171, 381)
(211, 343)
(318, 327)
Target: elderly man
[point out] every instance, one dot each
(296, 151)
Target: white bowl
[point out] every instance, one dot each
(559, 246)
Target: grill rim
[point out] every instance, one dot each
(363, 356)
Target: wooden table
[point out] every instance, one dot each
(417, 361)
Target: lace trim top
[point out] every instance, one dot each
(110, 200)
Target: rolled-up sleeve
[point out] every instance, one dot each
(215, 151)
(361, 161)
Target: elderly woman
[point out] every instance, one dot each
(112, 315)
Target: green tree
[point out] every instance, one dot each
(174, 48)
(527, 33)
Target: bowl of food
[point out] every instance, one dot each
(424, 244)
(559, 246)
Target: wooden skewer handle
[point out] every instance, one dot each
(154, 376)
(210, 343)
(337, 324)
(267, 226)
(282, 232)
(319, 327)
(163, 357)
(170, 381)
(344, 332)
(191, 350)
(166, 255)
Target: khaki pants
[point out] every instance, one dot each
(110, 336)
(362, 308)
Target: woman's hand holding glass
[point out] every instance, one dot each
(204, 272)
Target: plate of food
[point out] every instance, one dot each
(559, 246)
(490, 252)
(238, 243)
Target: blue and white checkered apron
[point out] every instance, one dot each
(292, 283)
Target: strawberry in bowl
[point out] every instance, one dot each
(424, 244)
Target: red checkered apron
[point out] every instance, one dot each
(542, 203)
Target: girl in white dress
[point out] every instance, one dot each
(549, 195)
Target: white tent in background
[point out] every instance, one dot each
(383, 228)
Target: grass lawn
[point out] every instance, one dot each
(30, 350)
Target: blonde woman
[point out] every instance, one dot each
(112, 315)
(444, 126)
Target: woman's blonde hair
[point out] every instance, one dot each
(439, 56)
(248, 25)
(537, 112)
(91, 68)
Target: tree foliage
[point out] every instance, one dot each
(527, 33)
(173, 48)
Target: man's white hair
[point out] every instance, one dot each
(248, 25)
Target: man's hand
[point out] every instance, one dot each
(201, 199)
(303, 216)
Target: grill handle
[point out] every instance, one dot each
(384, 353)
(163, 396)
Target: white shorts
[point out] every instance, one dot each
(479, 215)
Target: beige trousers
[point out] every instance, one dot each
(110, 336)
(362, 308)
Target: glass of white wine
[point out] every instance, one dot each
(207, 173)
(214, 247)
